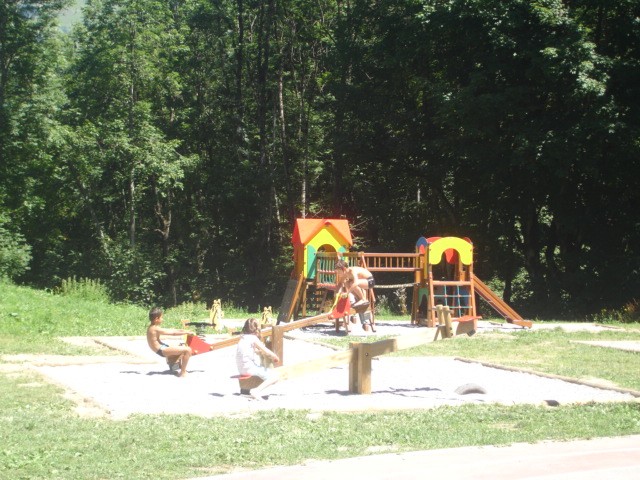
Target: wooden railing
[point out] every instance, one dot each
(326, 269)
(390, 262)
(374, 262)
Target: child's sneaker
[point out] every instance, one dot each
(360, 303)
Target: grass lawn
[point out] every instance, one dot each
(43, 438)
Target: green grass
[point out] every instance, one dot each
(29, 312)
(32, 320)
(44, 438)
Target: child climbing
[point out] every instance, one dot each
(354, 280)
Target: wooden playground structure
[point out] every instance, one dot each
(440, 270)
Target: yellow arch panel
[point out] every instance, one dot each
(464, 249)
(326, 236)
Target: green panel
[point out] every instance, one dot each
(311, 261)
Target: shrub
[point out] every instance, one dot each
(15, 254)
(629, 313)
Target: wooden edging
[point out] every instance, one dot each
(586, 383)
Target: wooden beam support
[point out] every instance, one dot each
(318, 364)
(448, 329)
(277, 344)
(360, 369)
(225, 343)
(363, 353)
(269, 331)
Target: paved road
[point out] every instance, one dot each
(613, 458)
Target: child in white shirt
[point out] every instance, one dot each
(249, 357)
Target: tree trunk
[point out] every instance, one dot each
(132, 209)
(164, 229)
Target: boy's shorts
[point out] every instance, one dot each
(262, 372)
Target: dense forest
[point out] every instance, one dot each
(166, 147)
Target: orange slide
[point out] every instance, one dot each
(498, 304)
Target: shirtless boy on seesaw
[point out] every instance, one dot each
(177, 357)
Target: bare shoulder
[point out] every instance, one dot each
(153, 330)
(361, 272)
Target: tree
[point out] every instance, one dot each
(125, 90)
(30, 96)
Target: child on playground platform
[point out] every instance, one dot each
(177, 357)
(354, 280)
(248, 357)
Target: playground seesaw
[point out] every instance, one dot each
(275, 334)
(358, 356)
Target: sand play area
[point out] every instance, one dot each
(135, 380)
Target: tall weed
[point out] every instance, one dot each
(84, 288)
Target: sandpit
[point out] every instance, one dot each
(139, 382)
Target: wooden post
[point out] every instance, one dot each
(354, 366)
(440, 325)
(365, 368)
(444, 322)
(360, 369)
(304, 300)
(277, 343)
(448, 330)
(414, 305)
